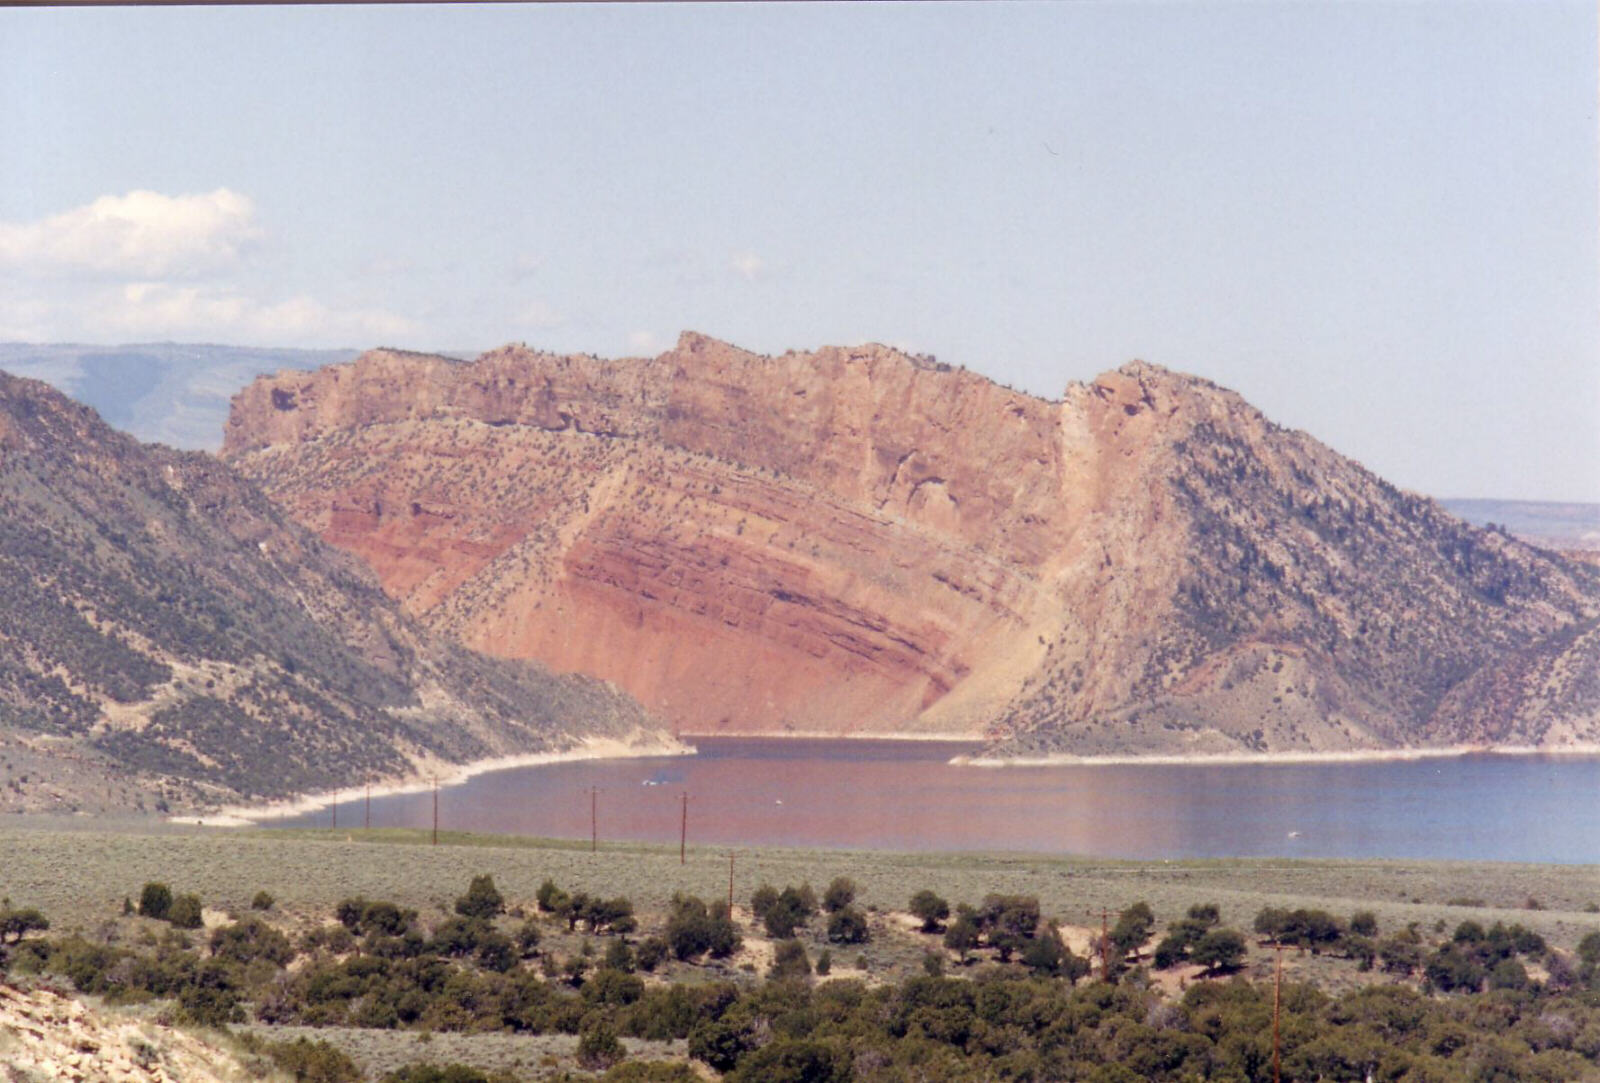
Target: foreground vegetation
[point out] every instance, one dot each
(577, 971)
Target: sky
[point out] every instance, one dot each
(1377, 221)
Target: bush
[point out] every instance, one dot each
(1133, 928)
(16, 924)
(551, 899)
(482, 899)
(840, 894)
(651, 1071)
(262, 901)
(652, 951)
(930, 909)
(308, 1061)
(789, 961)
(824, 963)
(790, 1060)
(693, 930)
(155, 900)
(185, 912)
(848, 926)
(527, 938)
(1219, 951)
(1364, 923)
(761, 901)
(251, 939)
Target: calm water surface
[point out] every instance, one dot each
(906, 796)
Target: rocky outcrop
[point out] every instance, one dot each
(859, 541)
(168, 634)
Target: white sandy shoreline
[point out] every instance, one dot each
(443, 774)
(447, 774)
(1373, 755)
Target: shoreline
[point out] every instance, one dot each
(1218, 759)
(448, 774)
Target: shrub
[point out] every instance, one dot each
(527, 938)
(16, 924)
(840, 894)
(495, 952)
(251, 939)
(551, 899)
(1364, 923)
(1133, 928)
(761, 901)
(1219, 951)
(598, 1046)
(930, 909)
(789, 961)
(651, 1071)
(308, 1061)
(482, 899)
(185, 912)
(824, 962)
(791, 1060)
(155, 900)
(262, 901)
(652, 951)
(848, 926)
(619, 956)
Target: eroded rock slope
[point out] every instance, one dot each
(857, 541)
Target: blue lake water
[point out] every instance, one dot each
(907, 796)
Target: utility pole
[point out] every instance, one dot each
(683, 830)
(1105, 946)
(435, 782)
(1277, 1001)
(366, 822)
(594, 819)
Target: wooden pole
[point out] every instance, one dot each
(683, 831)
(1105, 946)
(1277, 1001)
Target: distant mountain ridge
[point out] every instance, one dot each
(160, 392)
(1566, 526)
(858, 541)
(166, 630)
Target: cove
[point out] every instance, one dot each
(906, 795)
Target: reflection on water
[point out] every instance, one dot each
(897, 795)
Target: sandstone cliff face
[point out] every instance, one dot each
(858, 541)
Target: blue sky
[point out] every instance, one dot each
(1377, 221)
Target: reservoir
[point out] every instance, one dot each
(906, 795)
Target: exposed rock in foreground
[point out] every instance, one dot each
(163, 624)
(46, 1037)
(857, 541)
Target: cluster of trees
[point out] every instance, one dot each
(782, 913)
(157, 901)
(1020, 1013)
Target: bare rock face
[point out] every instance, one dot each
(856, 541)
(167, 632)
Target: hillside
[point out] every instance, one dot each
(166, 633)
(857, 541)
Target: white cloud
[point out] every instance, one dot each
(748, 265)
(541, 316)
(141, 234)
(160, 309)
